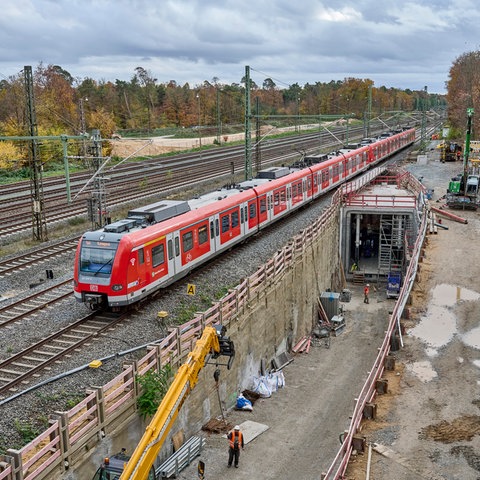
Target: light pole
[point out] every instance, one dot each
(199, 131)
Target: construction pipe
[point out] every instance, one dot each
(369, 460)
(449, 215)
(441, 226)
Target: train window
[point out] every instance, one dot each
(263, 205)
(202, 235)
(276, 199)
(300, 188)
(245, 213)
(98, 261)
(158, 255)
(225, 223)
(177, 247)
(212, 230)
(253, 210)
(235, 219)
(309, 183)
(187, 241)
(242, 215)
(141, 257)
(170, 249)
(294, 191)
(315, 181)
(217, 227)
(282, 197)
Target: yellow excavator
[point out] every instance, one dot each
(212, 344)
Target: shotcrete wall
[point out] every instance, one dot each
(271, 323)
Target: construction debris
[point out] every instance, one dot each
(215, 425)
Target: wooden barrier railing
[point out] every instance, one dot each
(105, 407)
(339, 465)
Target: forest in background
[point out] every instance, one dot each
(145, 107)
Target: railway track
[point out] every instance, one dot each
(20, 369)
(39, 255)
(34, 303)
(153, 177)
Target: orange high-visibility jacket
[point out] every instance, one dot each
(231, 438)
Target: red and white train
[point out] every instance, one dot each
(156, 245)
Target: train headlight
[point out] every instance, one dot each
(117, 287)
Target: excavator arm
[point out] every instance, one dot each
(212, 342)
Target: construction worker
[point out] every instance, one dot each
(235, 442)
(366, 292)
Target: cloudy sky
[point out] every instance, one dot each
(395, 43)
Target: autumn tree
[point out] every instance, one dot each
(463, 88)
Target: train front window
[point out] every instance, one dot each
(96, 259)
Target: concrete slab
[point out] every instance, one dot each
(251, 430)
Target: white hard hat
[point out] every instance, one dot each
(236, 427)
(368, 284)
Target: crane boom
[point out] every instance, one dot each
(211, 342)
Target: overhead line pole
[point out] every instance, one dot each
(248, 133)
(39, 223)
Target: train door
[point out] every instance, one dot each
(173, 253)
(252, 215)
(263, 207)
(214, 233)
(325, 179)
(309, 187)
(139, 268)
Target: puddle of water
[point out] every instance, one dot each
(476, 363)
(423, 370)
(437, 328)
(448, 295)
(472, 338)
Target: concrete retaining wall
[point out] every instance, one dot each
(278, 316)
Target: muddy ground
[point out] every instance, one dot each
(428, 423)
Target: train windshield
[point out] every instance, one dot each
(96, 258)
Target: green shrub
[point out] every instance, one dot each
(154, 387)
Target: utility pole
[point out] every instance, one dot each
(423, 140)
(248, 133)
(369, 112)
(219, 118)
(466, 153)
(258, 151)
(39, 224)
(97, 203)
(198, 126)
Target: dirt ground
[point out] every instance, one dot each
(427, 425)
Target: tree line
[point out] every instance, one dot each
(68, 105)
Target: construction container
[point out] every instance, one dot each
(330, 302)
(346, 295)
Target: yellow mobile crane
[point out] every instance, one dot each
(139, 466)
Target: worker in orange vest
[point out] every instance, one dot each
(235, 440)
(366, 291)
